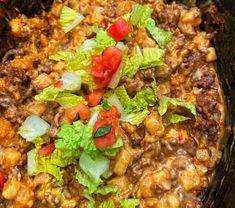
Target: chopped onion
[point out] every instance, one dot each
(33, 127)
(93, 119)
(71, 81)
(116, 77)
(113, 100)
(31, 164)
(77, 20)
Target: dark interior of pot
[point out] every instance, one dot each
(221, 20)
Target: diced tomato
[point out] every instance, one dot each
(112, 58)
(100, 123)
(98, 67)
(112, 112)
(1, 180)
(81, 110)
(95, 97)
(106, 140)
(58, 84)
(107, 117)
(103, 67)
(119, 29)
(182, 136)
(47, 150)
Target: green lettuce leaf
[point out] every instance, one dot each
(165, 102)
(94, 187)
(175, 118)
(80, 61)
(68, 99)
(140, 14)
(44, 165)
(104, 190)
(48, 94)
(69, 18)
(75, 136)
(87, 79)
(152, 57)
(103, 39)
(161, 36)
(84, 180)
(91, 200)
(130, 203)
(107, 204)
(132, 65)
(95, 166)
(52, 164)
(124, 98)
(135, 118)
(54, 94)
(61, 56)
(141, 101)
(63, 158)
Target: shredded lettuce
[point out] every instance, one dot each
(130, 203)
(95, 166)
(161, 36)
(75, 136)
(103, 190)
(69, 100)
(141, 101)
(140, 14)
(132, 65)
(44, 165)
(94, 187)
(61, 56)
(80, 61)
(175, 118)
(63, 158)
(69, 18)
(107, 204)
(152, 57)
(48, 94)
(102, 38)
(124, 98)
(51, 164)
(88, 80)
(54, 94)
(135, 118)
(84, 180)
(165, 102)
